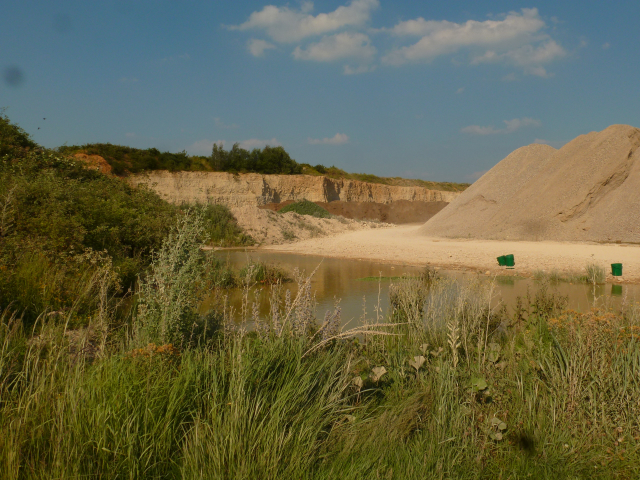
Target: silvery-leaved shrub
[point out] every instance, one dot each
(168, 295)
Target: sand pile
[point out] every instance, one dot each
(589, 190)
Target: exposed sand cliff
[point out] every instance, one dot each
(256, 189)
(589, 190)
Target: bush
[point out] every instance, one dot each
(221, 228)
(52, 211)
(128, 159)
(305, 207)
(269, 160)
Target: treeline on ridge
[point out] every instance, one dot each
(269, 160)
(122, 159)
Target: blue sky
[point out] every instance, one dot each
(431, 90)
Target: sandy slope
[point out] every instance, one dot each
(405, 244)
(268, 227)
(589, 190)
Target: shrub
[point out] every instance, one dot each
(221, 228)
(305, 207)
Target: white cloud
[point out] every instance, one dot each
(257, 47)
(129, 135)
(337, 47)
(203, 147)
(256, 143)
(517, 39)
(285, 25)
(220, 124)
(510, 126)
(445, 37)
(337, 139)
(606, 45)
(460, 90)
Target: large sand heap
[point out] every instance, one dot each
(589, 190)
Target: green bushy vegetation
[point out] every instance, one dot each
(135, 160)
(13, 139)
(443, 387)
(305, 207)
(60, 222)
(269, 160)
(221, 228)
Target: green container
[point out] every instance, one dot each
(509, 261)
(502, 261)
(616, 269)
(616, 290)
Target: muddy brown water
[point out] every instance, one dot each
(342, 280)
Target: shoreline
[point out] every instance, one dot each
(403, 245)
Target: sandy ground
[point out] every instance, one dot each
(403, 245)
(268, 227)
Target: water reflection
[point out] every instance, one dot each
(352, 282)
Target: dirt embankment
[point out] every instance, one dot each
(398, 212)
(589, 190)
(256, 189)
(267, 227)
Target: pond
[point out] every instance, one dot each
(355, 284)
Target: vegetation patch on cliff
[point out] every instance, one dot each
(305, 207)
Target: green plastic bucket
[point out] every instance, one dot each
(616, 269)
(616, 290)
(502, 261)
(509, 261)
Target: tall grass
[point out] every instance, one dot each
(450, 387)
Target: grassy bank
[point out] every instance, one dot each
(440, 387)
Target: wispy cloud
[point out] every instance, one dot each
(510, 126)
(286, 25)
(252, 143)
(337, 47)
(517, 39)
(257, 47)
(128, 80)
(337, 139)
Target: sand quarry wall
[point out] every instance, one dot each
(397, 212)
(589, 190)
(256, 189)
